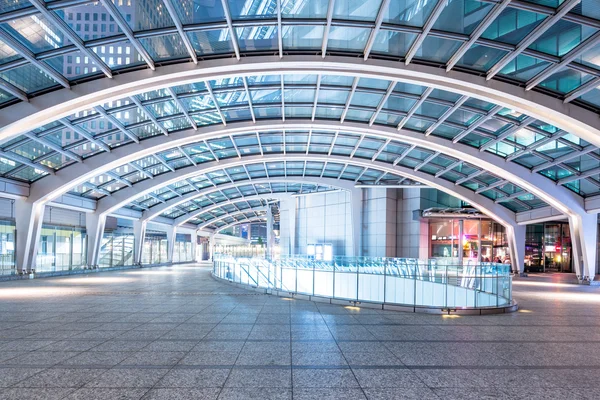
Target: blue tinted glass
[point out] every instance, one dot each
(36, 33)
(211, 42)
(302, 37)
(257, 38)
(393, 43)
(408, 12)
(245, 9)
(198, 11)
(117, 55)
(165, 47)
(149, 14)
(524, 68)
(347, 38)
(566, 80)
(481, 58)
(561, 38)
(304, 9)
(28, 78)
(462, 16)
(437, 49)
(512, 25)
(363, 10)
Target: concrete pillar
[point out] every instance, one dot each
(94, 228)
(584, 234)
(171, 236)
(270, 235)
(139, 233)
(356, 210)
(515, 235)
(28, 222)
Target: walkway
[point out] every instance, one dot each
(178, 334)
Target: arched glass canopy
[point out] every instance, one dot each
(550, 45)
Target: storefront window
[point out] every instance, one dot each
(183, 248)
(478, 240)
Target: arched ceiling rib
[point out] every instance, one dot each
(243, 221)
(499, 39)
(233, 217)
(193, 199)
(401, 144)
(123, 197)
(526, 140)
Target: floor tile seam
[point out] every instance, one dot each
(344, 356)
(188, 352)
(237, 357)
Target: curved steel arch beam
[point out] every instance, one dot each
(121, 198)
(222, 217)
(185, 218)
(246, 221)
(53, 186)
(23, 117)
(155, 211)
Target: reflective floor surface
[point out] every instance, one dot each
(175, 333)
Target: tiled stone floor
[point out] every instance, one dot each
(175, 333)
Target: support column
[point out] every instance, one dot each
(211, 246)
(270, 235)
(515, 235)
(356, 210)
(139, 234)
(171, 236)
(194, 246)
(461, 230)
(288, 225)
(584, 234)
(28, 223)
(94, 228)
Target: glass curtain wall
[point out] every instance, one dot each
(155, 248)
(7, 247)
(61, 248)
(117, 250)
(183, 248)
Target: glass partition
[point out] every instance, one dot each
(61, 248)
(117, 250)
(155, 248)
(442, 283)
(182, 251)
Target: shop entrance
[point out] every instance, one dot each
(548, 248)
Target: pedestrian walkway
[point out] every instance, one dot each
(176, 333)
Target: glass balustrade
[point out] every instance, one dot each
(440, 283)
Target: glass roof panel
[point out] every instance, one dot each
(199, 11)
(246, 9)
(28, 78)
(211, 42)
(257, 38)
(462, 16)
(512, 25)
(363, 10)
(302, 37)
(36, 33)
(145, 15)
(408, 12)
(347, 38)
(165, 47)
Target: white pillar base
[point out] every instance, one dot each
(584, 234)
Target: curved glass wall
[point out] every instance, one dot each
(435, 283)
